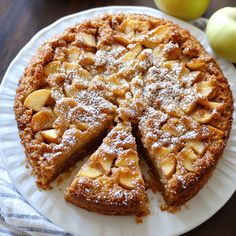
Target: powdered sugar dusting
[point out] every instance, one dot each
(165, 89)
(119, 140)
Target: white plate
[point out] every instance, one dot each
(51, 203)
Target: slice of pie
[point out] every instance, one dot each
(111, 182)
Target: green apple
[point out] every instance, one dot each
(183, 9)
(221, 33)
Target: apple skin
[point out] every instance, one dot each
(221, 33)
(183, 9)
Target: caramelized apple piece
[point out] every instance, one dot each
(205, 88)
(90, 172)
(217, 132)
(73, 54)
(50, 135)
(170, 127)
(189, 78)
(88, 59)
(161, 152)
(105, 159)
(188, 108)
(155, 36)
(150, 44)
(130, 25)
(142, 25)
(188, 158)
(135, 48)
(214, 105)
(188, 104)
(88, 39)
(37, 99)
(122, 39)
(188, 164)
(144, 55)
(84, 73)
(113, 79)
(157, 55)
(168, 165)
(117, 85)
(128, 57)
(195, 65)
(52, 68)
(127, 178)
(177, 112)
(70, 67)
(106, 163)
(98, 79)
(197, 146)
(128, 158)
(203, 116)
(144, 60)
(42, 120)
(159, 31)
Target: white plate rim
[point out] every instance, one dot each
(99, 10)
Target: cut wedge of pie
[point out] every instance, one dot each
(110, 181)
(178, 151)
(135, 71)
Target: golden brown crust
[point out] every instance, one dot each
(109, 206)
(139, 69)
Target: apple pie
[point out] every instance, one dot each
(145, 77)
